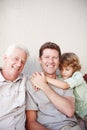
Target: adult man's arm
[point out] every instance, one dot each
(31, 123)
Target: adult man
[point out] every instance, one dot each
(49, 108)
(13, 89)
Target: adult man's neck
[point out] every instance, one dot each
(51, 76)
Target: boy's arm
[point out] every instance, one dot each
(65, 104)
(58, 83)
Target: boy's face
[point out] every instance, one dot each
(50, 62)
(66, 72)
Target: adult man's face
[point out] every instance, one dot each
(50, 61)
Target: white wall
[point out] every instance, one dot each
(34, 22)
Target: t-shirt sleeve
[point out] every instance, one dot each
(75, 80)
(30, 103)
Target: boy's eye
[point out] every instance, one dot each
(67, 69)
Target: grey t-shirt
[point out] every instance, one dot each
(47, 114)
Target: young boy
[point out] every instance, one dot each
(70, 71)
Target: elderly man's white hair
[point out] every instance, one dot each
(11, 48)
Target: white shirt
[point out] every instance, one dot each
(12, 103)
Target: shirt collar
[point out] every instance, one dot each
(2, 79)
